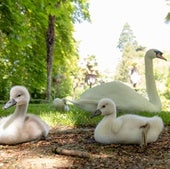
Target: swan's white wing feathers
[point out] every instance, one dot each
(126, 98)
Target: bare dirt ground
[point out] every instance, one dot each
(40, 155)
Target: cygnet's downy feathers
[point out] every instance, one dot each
(21, 127)
(126, 129)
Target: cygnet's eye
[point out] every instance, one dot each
(18, 95)
(103, 106)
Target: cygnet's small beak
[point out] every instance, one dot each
(96, 113)
(10, 103)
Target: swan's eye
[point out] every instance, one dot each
(103, 106)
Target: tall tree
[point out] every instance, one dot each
(128, 46)
(50, 46)
(127, 60)
(126, 37)
(66, 14)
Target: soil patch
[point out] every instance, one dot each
(40, 155)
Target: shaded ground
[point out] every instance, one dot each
(40, 155)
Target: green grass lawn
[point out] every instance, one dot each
(75, 117)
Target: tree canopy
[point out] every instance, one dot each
(126, 37)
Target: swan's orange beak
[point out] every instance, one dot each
(159, 55)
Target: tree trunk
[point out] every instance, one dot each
(50, 37)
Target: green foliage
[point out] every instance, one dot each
(129, 56)
(23, 27)
(167, 93)
(24, 56)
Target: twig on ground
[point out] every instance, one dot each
(76, 153)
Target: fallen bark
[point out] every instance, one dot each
(76, 153)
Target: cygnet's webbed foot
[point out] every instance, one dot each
(145, 129)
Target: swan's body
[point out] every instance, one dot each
(126, 129)
(20, 127)
(126, 98)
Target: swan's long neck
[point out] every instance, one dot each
(150, 83)
(19, 112)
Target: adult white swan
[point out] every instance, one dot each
(20, 127)
(126, 98)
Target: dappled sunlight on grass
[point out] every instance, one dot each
(78, 117)
(74, 117)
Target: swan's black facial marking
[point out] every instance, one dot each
(159, 55)
(158, 52)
